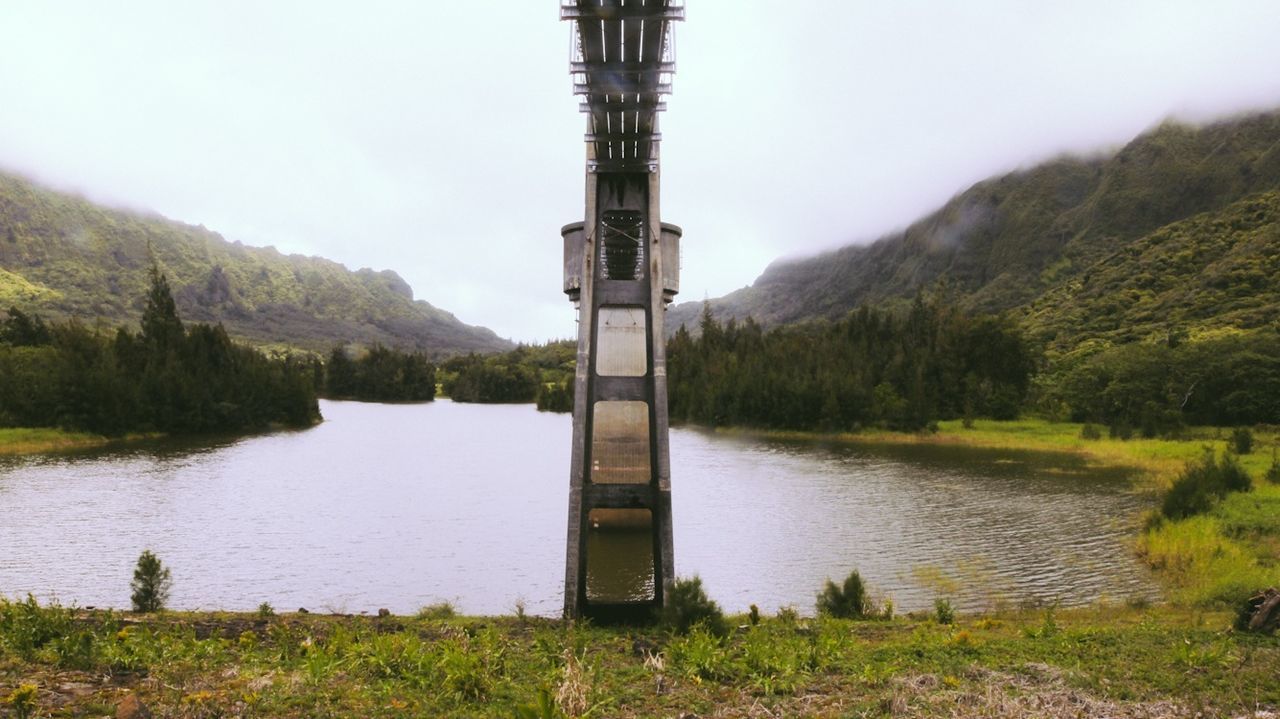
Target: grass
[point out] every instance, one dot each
(26, 440)
(44, 440)
(1112, 660)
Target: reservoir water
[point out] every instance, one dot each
(400, 506)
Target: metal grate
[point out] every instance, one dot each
(622, 249)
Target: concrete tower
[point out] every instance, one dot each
(621, 269)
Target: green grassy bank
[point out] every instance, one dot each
(27, 440)
(1116, 661)
(1158, 460)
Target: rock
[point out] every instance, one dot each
(384, 612)
(643, 647)
(303, 610)
(131, 707)
(1267, 614)
(76, 689)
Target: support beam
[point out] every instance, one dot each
(621, 272)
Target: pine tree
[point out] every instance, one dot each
(161, 325)
(151, 583)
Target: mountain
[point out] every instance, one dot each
(1056, 243)
(63, 256)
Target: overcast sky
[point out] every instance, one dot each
(441, 139)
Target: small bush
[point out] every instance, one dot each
(943, 611)
(1242, 440)
(150, 585)
(788, 616)
(265, 610)
(26, 627)
(1273, 472)
(849, 601)
(1202, 484)
(22, 701)
(1120, 430)
(1090, 431)
(754, 616)
(687, 606)
(439, 610)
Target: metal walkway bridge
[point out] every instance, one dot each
(621, 268)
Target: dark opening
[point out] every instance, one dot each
(622, 250)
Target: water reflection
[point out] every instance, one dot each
(401, 505)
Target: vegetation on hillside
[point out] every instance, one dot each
(166, 378)
(64, 257)
(1215, 273)
(1007, 241)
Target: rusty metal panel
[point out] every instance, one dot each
(621, 334)
(670, 261)
(620, 443)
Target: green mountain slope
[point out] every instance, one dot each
(62, 256)
(1006, 242)
(1216, 272)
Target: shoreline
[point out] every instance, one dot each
(22, 441)
(1156, 461)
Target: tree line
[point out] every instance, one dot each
(1155, 388)
(542, 374)
(167, 377)
(871, 368)
(379, 374)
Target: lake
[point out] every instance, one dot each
(400, 506)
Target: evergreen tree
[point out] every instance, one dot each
(150, 585)
(161, 326)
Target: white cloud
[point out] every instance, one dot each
(441, 139)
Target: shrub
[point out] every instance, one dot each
(265, 610)
(1090, 431)
(1242, 440)
(150, 585)
(23, 701)
(439, 610)
(1273, 472)
(1120, 430)
(1203, 483)
(849, 601)
(687, 606)
(943, 611)
(26, 627)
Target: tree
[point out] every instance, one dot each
(21, 330)
(161, 326)
(151, 583)
(849, 601)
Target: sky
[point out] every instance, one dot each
(442, 139)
